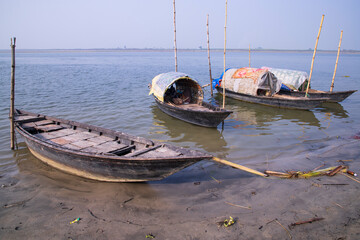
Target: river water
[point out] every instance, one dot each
(110, 89)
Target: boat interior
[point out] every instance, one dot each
(183, 92)
(85, 138)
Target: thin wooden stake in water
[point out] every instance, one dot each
(223, 79)
(208, 46)
(337, 59)
(312, 62)
(249, 55)
(12, 96)
(175, 49)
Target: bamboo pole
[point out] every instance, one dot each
(249, 55)
(208, 46)
(12, 95)
(312, 62)
(175, 48)
(337, 59)
(234, 165)
(223, 80)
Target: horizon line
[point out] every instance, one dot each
(259, 49)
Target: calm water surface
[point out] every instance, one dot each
(109, 89)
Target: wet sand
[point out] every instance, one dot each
(39, 202)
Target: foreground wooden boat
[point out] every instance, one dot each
(98, 153)
(335, 96)
(180, 96)
(261, 86)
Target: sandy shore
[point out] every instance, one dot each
(40, 202)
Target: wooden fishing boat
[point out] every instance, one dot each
(277, 100)
(260, 86)
(181, 97)
(295, 81)
(335, 96)
(98, 153)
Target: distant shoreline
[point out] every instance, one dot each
(170, 50)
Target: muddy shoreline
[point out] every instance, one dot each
(39, 202)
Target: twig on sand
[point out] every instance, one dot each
(338, 205)
(335, 184)
(91, 213)
(317, 168)
(336, 170)
(235, 205)
(128, 222)
(278, 174)
(126, 201)
(284, 228)
(307, 221)
(330, 171)
(344, 160)
(16, 204)
(281, 226)
(215, 179)
(350, 177)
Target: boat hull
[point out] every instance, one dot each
(337, 96)
(107, 167)
(278, 101)
(103, 169)
(211, 118)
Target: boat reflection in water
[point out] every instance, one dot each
(189, 135)
(248, 114)
(335, 109)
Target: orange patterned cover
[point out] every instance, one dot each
(253, 73)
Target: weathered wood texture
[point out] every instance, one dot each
(175, 47)
(12, 95)
(277, 100)
(224, 94)
(202, 114)
(336, 96)
(313, 58)
(208, 47)
(336, 63)
(101, 154)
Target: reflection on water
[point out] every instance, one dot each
(208, 139)
(334, 109)
(247, 114)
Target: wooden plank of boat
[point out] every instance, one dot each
(195, 107)
(101, 154)
(203, 114)
(335, 96)
(277, 100)
(28, 119)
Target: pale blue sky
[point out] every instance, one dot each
(277, 24)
